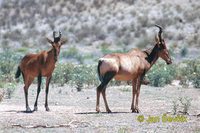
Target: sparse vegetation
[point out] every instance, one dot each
(181, 105)
(106, 27)
(8, 61)
(9, 89)
(1, 94)
(62, 73)
(175, 107)
(71, 52)
(84, 75)
(188, 71)
(161, 74)
(95, 28)
(81, 75)
(91, 21)
(124, 130)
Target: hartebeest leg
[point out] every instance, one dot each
(28, 82)
(38, 92)
(101, 89)
(133, 95)
(105, 101)
(137, 95)
(98, 98)
(47, 91)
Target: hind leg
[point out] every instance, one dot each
(28, 82)
(98, 98)
(105, 101)
(102, 88)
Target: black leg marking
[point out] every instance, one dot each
(38, 92)
(106, 79)
(28, 110)
(47, 91)
(102, 88)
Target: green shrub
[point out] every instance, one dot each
(84, 75)
(8, 61)
(184, 51)
(161, 74)
(62, 73)
(195, 74)
(183, 72)
(189, 71)
(72, 52)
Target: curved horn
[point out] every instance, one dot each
(160, 32)
(54, 34)
(60, 34)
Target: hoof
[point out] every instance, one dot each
(35, 108)
(98, 110)
(28, 110)
(135, 111)
(47, 109)
(109, 111)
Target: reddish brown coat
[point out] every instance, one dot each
(129, 66)
(39, 65)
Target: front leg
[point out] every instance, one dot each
(38, 92)
(47, 91)
(137, 95)
(133, 95)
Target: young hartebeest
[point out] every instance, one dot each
(129, 66)
(39, 65)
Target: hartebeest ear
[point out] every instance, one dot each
(49, 40)
(63, 41)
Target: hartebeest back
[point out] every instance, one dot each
(129, 66)
(39, 65)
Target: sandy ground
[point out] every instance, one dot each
(73, 111)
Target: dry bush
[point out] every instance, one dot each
(181, 105)
(1, 94)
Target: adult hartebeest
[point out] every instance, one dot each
(39, 65)
(130, 66)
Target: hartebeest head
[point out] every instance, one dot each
(57, 43)
(162, 49)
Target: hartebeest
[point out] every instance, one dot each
(39, 65)
(130, 66)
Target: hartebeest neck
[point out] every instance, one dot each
(52, 55)
(153, 56)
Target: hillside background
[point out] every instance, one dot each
(97, 27)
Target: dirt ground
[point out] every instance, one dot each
(73, 111)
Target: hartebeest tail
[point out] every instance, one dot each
(18, 73)
(39, 65)
(130, 66)
(98, 71)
